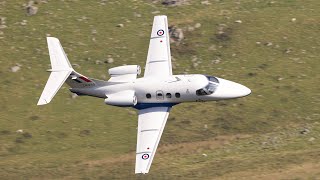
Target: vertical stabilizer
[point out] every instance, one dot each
(60, 70)
(58, 58)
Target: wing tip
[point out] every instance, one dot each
(141, 169)
(42, 102)
(51, 38)
(141, 172)
(161, 15)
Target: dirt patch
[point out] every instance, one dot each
(191, 147)
(307, 170)
(181, 148)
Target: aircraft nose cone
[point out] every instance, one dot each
(243, 91)
(228, 89)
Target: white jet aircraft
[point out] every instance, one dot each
(153, 95)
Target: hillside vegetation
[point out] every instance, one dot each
(270, 46)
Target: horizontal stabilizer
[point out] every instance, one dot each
(55, 81)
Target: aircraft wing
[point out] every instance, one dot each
(150, 127)
(159, 56)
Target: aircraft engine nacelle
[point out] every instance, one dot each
(123, 99)
(123, 70)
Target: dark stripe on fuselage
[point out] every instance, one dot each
(150, 105)
(76, 80)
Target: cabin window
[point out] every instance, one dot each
(168, 95)
(148, 95)
(159, 95)
(177, 95)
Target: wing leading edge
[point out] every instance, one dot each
(159, 56)
(151, 123)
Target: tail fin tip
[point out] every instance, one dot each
(58, 58)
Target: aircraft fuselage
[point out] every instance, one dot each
(173, 89)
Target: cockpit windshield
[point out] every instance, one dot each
(210, 88)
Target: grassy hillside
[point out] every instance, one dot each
(270, 46)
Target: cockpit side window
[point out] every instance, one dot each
(210, 88)
(201, 92)
(212, 79)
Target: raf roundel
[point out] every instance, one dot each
(145, 156)
(160, 32)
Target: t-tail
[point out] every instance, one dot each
(60, 70)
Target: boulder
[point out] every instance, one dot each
(19, 131)
(2, 20)
(174, 2)
(109, 60)
(120, 25)
(15, 69)
(176, 34)
(197, 25)
(31, 10)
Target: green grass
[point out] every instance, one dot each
(82, 138)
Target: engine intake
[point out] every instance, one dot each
(123, 99)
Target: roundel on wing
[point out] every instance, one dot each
(160, 32)
(145, 156)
